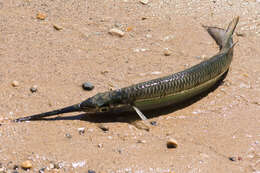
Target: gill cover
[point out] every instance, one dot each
(95, 103)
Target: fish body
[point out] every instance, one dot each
(162, 91)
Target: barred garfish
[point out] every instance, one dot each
(164, 91)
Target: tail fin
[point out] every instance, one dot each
(223, 37)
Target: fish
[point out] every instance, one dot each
(163, 91)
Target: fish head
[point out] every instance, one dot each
(101, 103)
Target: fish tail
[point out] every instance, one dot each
(223, 37)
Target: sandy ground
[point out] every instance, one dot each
(223, 124)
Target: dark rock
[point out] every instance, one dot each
(232, 159)
(34, 88)
(81, 130)
(172, 143)
(103, 127)
(91, 171)
(87, 86)
(153, 123)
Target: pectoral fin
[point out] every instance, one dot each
(141, 115)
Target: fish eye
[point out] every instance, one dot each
(104, 109)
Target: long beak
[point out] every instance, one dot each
(73, 108)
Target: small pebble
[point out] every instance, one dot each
(100, 145)
(41, 16)
(232, 159)
(41, 170)
(104, 72)
(156, 72)
(172, 143)
(144, 2)
(239, 158)
(167, 52)
(256, 102)
(91, 171)
(51, 166)
(116, 32)
(15, 83)
(169, 37)
(229, 3)
(119, 151)
(250, 156)
(118, 25)
(78, 164)
(57, 27)
(34, 88)
(88, 86)
(153, 123)
(67, 135)
(129, 28)
(141, 141)
(148, 36)
(140, 49)
(26, 164)
(143, 49)
(103, 127)
(58, 165)
(81, 130)
(15, 167)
